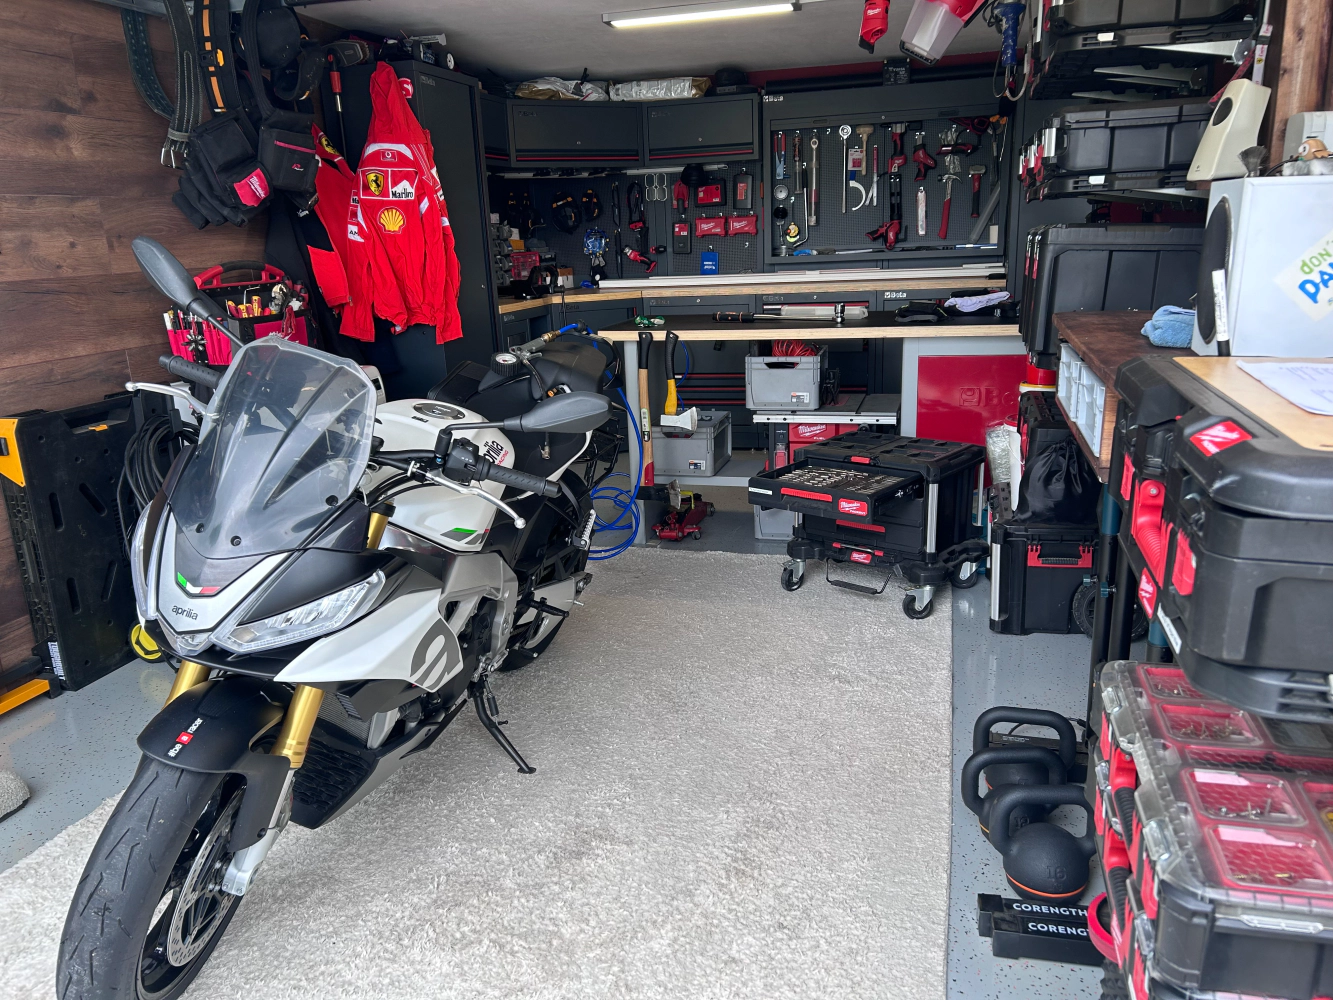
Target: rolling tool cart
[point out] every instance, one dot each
(1227, 531)
(1215, 831)
(882, 500)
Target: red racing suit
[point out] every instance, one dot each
(401, 201)
(354, 277)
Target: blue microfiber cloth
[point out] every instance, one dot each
(1170, 326)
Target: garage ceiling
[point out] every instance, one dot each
(520, 39)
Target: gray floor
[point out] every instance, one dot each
(74, 751)
(1035, 671)
(78, 749)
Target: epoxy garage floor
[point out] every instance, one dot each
(740, 793)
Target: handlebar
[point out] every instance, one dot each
(191, 372)
(516, 479)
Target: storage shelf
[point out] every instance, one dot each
(736, 472)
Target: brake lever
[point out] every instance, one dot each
(168, 390)
(440, 479)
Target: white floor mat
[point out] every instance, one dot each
(741, 793)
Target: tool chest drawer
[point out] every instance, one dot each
(1228, 867)
(829, 490)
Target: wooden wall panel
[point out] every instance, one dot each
(79, 152)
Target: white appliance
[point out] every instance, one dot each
(1234, 127)
(1273, 238)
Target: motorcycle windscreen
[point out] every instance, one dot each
(285, 438)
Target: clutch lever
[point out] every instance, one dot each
(168, 390)
(440, 479)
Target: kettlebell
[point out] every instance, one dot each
(1042, 860)
(1021, 772)
(1050, 769)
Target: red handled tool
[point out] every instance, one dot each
(922, 158)
(976, 173)
(891, 230)
(948, 177)
(648, 263)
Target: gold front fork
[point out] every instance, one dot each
(294, 737)
(187, 676)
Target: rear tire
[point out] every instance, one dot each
(165, 841)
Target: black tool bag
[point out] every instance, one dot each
(223, 179)
(1058, 487)
(286, 143)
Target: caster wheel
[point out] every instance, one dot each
(696, 535)
(1083, 610)
(790, 581)
(912, 611)
(960, 582)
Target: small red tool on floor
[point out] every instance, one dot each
(684, 517)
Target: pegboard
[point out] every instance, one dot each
(736, 254)
(837, 230)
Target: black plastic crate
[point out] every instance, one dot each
(1152, 137)
(1035, 570)
(59, 472)
(1129, 185)
(1068, 63)
(812, 486)
(1077, 267)
(1099, 15)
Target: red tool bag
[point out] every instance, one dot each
(260, 297)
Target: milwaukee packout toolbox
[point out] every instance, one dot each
(1073, 16)
(1067, 63)
(881, 499)
(1228, 529)
(1077, 267)
(1215, 835)
(1035, 570)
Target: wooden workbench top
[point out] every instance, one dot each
(1106, 340)
(740, 286)
(877, 325)
(1309, 430)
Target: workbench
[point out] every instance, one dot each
(955, 341)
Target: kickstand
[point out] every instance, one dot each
(484, 702)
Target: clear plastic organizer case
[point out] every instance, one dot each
(1235, 809)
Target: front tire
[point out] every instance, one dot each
(127, 935)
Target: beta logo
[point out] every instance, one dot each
(1219, 437)
(858, 507)
(185, 737)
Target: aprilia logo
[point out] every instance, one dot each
(859, 507)
(1219, 437)
(178, 610)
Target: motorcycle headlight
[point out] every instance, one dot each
(316, 618)
(137, 572)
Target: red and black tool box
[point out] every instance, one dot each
(260, 299)
(1229, 533)
(1152, 136)
(1099, 15)
(1076, 267)
(1040, 424)
(880, 499)
(1230, 889)
(1068, 63)
(1035, 570)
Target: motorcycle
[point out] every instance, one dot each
(334, 580)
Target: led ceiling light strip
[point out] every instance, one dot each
(686, 13)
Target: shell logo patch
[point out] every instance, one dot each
(392, 221)
(375, 182)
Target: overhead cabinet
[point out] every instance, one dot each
(575, 133)
(495, 129)
(704, 127)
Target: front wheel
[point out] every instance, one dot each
(150, 909)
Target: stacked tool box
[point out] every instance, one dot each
(1215, 833)
(881, 500)
(1228, 533)
(1103, 152)
(1072, 268)
(1128, 45)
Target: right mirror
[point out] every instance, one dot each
(567, 413)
